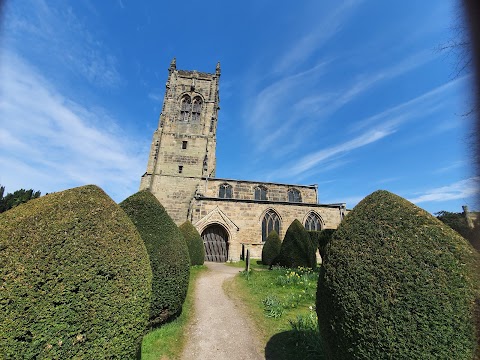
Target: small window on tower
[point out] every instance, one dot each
(184, 144)
(180, 169)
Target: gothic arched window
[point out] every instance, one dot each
(313, 222)
(196, 109)
(186, 107)
(225, 191)
(294, 195)
(260, 193)
(271, 221)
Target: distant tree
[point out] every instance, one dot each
(18, 197)
(458, 222)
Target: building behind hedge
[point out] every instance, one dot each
(230, 214)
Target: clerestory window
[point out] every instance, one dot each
(313, 222)
(294, 195)
(260, 193)
(225, 191)
(271, 221)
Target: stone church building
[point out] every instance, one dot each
(230, 214)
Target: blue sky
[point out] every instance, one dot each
(353, 96)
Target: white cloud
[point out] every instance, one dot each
(325, 28)
(36, 25)
(419, 105)
(49, 142)
(296, 101)
(314, 159)
(459, 190)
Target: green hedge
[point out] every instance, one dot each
(396, 283)
(76, 279)
(196, 249)
(271, 248)
(297, 248)
(321, 238)
(167, 251)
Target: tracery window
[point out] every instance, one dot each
(260, 193)
(186, 107)
(225, 191)
(271, 221)
(196, 109)
(294, 195)
(313, 222)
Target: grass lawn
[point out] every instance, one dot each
(281, 302)
(254, 264)
(167, 341)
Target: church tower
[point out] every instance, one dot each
(183, 145)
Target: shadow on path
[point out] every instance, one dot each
(292, 345)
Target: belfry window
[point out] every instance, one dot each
(271, 221)
(225, 191)
(186, 107)
(260, 193)
(196, 109)
(294, 196)
(313, 222)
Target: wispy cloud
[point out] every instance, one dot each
(298, 99)
(374, 128)
(311, 160)
(459, 190)
(418, 105)
(452, 167)
(325, 29)
(49, 142)
(35, 26)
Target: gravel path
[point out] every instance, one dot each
(219, 330)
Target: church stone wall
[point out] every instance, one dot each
(245, 190)
(243, 220)
(175, 194)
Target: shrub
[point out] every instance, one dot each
(271, 248)
(397, 283)
(297, 248)
(196, 249)
(168, 254)
(75, 278)
(321, 238)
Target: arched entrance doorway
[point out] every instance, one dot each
(215, 239)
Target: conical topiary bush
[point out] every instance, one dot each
(167, 251)
(76, 279)
(297, 248)
(271, 248)
(397, 283)
(196, 249)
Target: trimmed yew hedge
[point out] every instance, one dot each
(396, 283)
(321, 238)
(297, 248)
(76, 279)
(196, 249)
(271, 248)
(167, 251)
